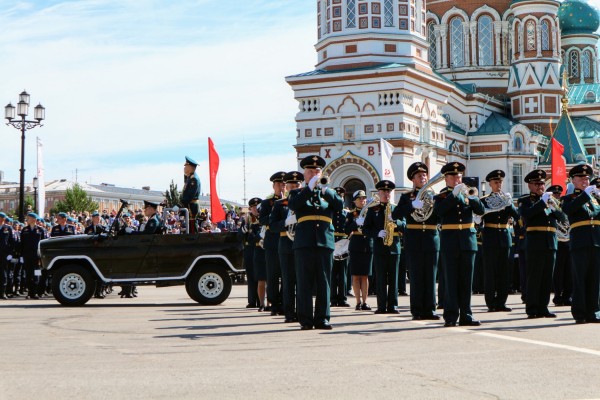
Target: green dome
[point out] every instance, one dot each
(577, 17)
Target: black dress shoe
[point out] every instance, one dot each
(472, 322)
(581, 321)
(403, 294)
(273, 313)
(492, 309)
(378, 311)
(417, 318)
(432, 317)
(549, 315)
(326, 326)
(267, 308)
(358, 307)
(449, 324)
(593, 320)
(365, 307)
(393, 311)
(249, 306)
(504, 308)
(306, 327)
(289, 320)
(261, 308)
(534, 316)
(343, 304)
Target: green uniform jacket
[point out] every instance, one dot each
(536, 213)
(417, 239)
(374, 223)
(580, 207)
(271, 241)
(492, 235)
(313, 205)
(277, 225)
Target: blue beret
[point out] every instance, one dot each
(126, 215)
(71, 219)
(2, 215)
(95, 214)
(9, 219)
(63, 215)
(33, 215)
(190, 161)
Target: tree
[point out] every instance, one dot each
(172, 195)
(76, 199)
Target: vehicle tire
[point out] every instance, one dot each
(72, 285)
(209, 285)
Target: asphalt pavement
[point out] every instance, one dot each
(162, 345)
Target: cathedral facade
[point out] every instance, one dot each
(480, 82)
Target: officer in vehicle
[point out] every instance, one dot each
(61, 228)
(191, 192)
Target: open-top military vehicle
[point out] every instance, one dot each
(204, 262)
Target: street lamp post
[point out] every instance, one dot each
(23, 124)
(35, 189)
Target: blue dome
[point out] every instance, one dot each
(577, 17)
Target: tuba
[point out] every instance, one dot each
(426, 194)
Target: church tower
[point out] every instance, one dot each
(534, 87)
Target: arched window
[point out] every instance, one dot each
(586, 64)
(590, 97)
(545, 28)
(485, 37)
(530, 27)
(574, 64)
(457, 43)
(351, 14)
(518, 143)
(388, 12)
(432, 44)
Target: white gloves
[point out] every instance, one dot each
(360, 221)
(477, 219)
(291, 220)
(417, 204)
(21, 260)
(8, 257)
(546, 197)
(381, 234)
(589, 190)
(323, 190)
(128, 230)
(457, 189)
(313, 182)
(508, 195)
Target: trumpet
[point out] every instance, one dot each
(469, 191)
(324, 180)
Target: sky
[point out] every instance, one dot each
(131, 87)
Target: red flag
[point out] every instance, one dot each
(559, 166)
(216, 210)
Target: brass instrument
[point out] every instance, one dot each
(372, 202)
(389, 226)
(263, 232)
(324, 180)
(469, 191)
(291, 229)
(563, 229)
(496, 201)
(426, 195)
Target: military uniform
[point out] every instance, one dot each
(285, 250)
(7, 250)
(271, 246)
(339, 296)
(458, 246)
(541, 244)
(583, 211)
(496, 244)
(30, 238)
(247, 238)
(561, 278)
(313, 246)
(421, 251)
(385, 258)
(191, 194)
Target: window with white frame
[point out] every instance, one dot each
(545, 28)
(586, 61)
(530, 27)
(574, 64)
(517, 179)
(388, 13)
(457, 43)
(432, 44)
(485, 37)
(351, 14)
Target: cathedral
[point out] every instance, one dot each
(483, 82)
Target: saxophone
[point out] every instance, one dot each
(389, 226)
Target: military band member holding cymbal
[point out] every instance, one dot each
(583, 209)
(540, 215)
(496, 242)
(280, 221)
(314, 206)
(458, 245)
(421, 244)
(381, 226)
(361, 252)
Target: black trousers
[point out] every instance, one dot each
(273, 280)
(539, 280)
(313, 271)
(288, 284)
(386, 278)
(33, 281)
(562, 275)
(458, 279)
(251, 282)
(496, 267)
(339, 280)
(422, 267)
(586, 283)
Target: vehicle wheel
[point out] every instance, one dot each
(209, 285)
(72, 285)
